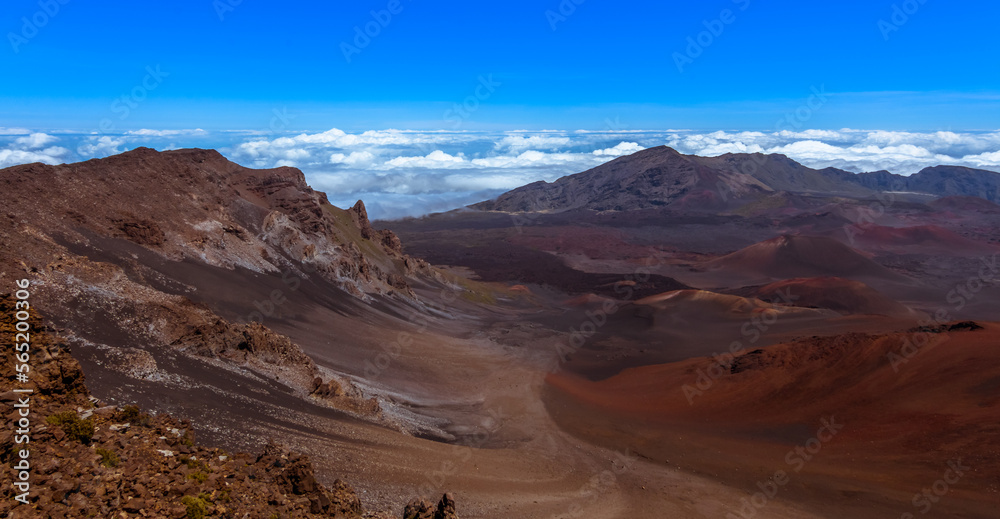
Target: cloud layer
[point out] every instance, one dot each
(407, 173)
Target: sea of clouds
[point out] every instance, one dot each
(401, 173)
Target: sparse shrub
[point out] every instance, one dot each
(75, 428)
(187, 439)
(197, 508)
(131, 414)
(190, 462)
(199, 476)
(108, 457)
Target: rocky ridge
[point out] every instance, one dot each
(104, 238)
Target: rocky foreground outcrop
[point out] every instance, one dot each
(423, 509)
(91, 460)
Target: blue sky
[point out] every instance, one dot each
(602, 60)
(425, 106)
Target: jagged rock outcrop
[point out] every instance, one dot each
(293, 473)
(195, 205)
(54, 373)
(330, 388)
(141, 231)
(251, 342)
(422, 509)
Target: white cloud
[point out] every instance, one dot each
(534, 159)
(720, 142)
(479, 181)
(730, 147)
(336, 138)
(102, 146)
(35, 141)
(345, 148)
(984, 159)
(831, 135)
(902, 158)
(33, 147)
(355, 159)
(853, 150)
(53, 155)
(622, 148)
(533, 142)
(435, 159)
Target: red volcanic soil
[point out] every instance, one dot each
(683, 324)
(924, 239)
(801, 256)
(838, 294)
(903, 413)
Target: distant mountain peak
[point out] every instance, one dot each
(663, 177)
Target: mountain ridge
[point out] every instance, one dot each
(661, 176)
